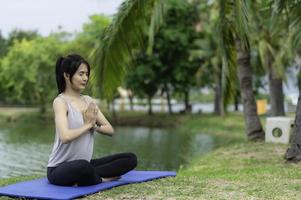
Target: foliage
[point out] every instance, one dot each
(170, 63)
(111, 57)
(27, 71)
(3, 45)
(84, 43)
(174, 43)
(18, 35)
(86, 40)
(232, 27)
(143, 79)
(271, 39)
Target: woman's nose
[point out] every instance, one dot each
(85, 78)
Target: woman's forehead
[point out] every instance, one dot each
(83, 67)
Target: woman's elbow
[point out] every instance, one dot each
(64, 138)
(111, 130)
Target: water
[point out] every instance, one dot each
(176, 107)
(25, 147)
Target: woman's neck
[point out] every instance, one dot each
(71, 93)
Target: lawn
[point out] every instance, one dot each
(235, 169)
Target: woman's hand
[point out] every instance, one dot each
(90, 114)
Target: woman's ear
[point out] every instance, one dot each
(66, 76)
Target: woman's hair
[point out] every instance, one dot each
(68, 65)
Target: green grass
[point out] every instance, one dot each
(235, 169)
(200, 97)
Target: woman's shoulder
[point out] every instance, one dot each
(89, 99)
(59, 101)
(58, 98)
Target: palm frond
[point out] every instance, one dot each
(296, 37)
(227, 45)
(111, 58)
(266, 49)
(156, 20)
(291, 8)
(242, 20)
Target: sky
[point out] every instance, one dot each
(46, 16)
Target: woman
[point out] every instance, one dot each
(77, 118)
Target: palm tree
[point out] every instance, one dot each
(207, 49)
(211, 71)
(292, 9)
(272, 43)
(112, 57)
(113, 54)
(235, 45)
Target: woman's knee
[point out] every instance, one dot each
(133, 160)
(81, 168)
(77, 171)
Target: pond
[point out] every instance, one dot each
(25, 147)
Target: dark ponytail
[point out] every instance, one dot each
(60, 81)
(68, 65)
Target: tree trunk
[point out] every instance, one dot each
(299, 80)
(168, 98)
(186, 100)
(150, 110)
(276, 92)
(218, 107)
(131, 103)
(43, 108)
(236, 103)
(254, 129)
(294, 152)
(131, 98)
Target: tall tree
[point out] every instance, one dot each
(18, 35)
(207, 48)
(125, 33)
(291, 9)
(173, 44)
(235, 42)
(86, 40)
(3, 45)
(113, 54)
(25, 71)
(3, 50)
(143, 79)
(273, 46)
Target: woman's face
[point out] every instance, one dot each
(80, 78)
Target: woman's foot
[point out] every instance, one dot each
(110, 179)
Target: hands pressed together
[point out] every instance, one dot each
(90, 114)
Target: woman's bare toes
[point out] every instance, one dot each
(111, 179)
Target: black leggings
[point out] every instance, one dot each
(82, 172)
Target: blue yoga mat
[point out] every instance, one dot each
(42, 189)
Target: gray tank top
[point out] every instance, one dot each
(80, 148)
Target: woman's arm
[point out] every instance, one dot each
(61, 122)
(104, 126)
